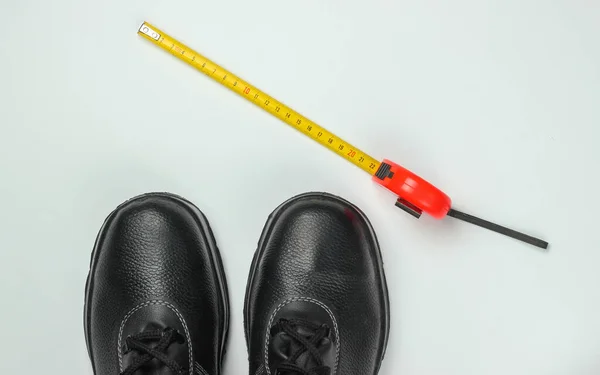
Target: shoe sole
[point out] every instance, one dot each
(214, 254)
(267, 231)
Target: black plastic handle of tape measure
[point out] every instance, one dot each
(498, 229)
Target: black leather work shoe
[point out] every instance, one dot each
(156, 297)
(317, 300)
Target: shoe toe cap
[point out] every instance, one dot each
(149, 235)
(153, 246)
(321, 236)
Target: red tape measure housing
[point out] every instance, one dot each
(413, 189)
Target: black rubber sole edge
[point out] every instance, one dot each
(267, 231)
(215, 257)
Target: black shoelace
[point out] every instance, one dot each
(164, 339)
(310, 345)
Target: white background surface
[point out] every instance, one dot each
(496, 102)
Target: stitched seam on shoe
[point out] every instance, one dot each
(162, 303)
(199, 369)
(302, 299)
(261, 370)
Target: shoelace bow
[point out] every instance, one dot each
(139, 343)
(310, 345)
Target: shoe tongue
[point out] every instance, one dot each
(154, 367)
(283, 347)
(175, 351)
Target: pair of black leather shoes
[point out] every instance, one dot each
(157, 302)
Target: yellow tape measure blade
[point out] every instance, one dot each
(260, 98)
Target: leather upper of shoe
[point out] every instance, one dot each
(317, 300)
(156, 300)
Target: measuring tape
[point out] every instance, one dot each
(415, 195)
(261, 99)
